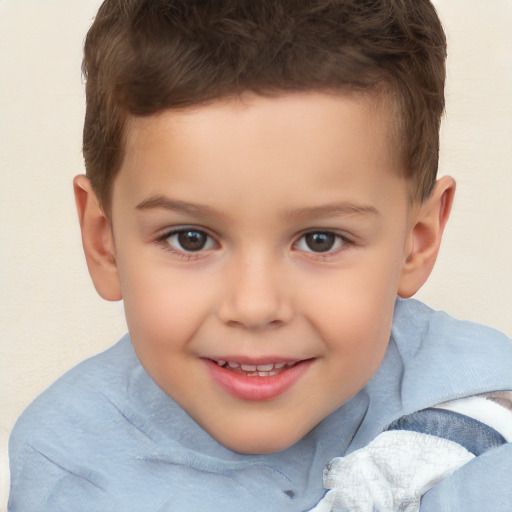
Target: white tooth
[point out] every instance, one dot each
(248, 367)
(277, 366)
(273, 372)
(254, 374)
(263, 374)
(265, 367)
(220, 362)
(231, 364)
(290, 364)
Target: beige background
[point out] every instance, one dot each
(50, 316)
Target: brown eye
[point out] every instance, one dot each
(319, 242)
(190, 240)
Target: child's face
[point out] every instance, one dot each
(269, 233)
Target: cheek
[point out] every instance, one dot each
(356, 344)
(354, 317)
(358, 334)
(355, 302)
(162, 307)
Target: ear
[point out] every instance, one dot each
(97, 240)
(424, 238)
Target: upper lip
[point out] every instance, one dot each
(255, 361)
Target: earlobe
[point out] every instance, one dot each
(425, 236)
(97, 240)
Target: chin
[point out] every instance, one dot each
(250, 447)
(262, 442)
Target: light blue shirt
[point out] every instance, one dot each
(105, 437)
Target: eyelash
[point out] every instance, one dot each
(341, 242)
(183, 253)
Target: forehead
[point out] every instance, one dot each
(306, 106)
(310, 140)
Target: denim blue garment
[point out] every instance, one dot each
(105, 437)
(473, 435)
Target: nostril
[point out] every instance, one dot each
(255, 308)
(255, 324)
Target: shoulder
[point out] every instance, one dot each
(83, 392)
(49, 446)
(418, 323)
(481, 484)
(445, 358)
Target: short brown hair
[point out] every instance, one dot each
(145, 56)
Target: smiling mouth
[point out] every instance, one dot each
(253, 380)
(256, 370)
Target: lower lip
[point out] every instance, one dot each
(256, 388)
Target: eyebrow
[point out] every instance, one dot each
(330, 210)
(333, 210)
(159, 202)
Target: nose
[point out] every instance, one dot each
(255, 294)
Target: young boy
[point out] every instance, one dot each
(261, 186)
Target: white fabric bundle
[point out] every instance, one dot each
(398, 467)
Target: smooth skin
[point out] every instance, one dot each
(260, 229)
